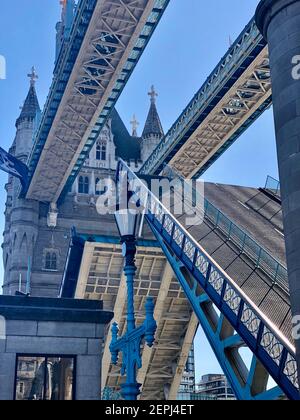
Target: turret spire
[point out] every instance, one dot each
(31, 105)
(153, 126)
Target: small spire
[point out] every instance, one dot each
(230, 41)
(153, 95)
(31, 106)
(153, 124)
(33, 76)
(135, 124)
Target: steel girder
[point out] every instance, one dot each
(236, 93)
(106, 41)
(224, 341)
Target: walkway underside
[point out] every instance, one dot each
(107, 39)
(235, 94)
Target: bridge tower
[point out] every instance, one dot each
(153, 130)
(21, 216)
(279, 21)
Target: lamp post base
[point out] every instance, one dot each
(130, 392)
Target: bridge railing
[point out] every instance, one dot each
(261, 258)
(245, 242)
(259, 333)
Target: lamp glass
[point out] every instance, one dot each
(126, 222)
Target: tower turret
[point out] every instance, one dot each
(26, 122)
(21, 216)
(153, 131)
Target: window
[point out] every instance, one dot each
(50, 378)
(84, 185)
(51, 260)
(101, 151)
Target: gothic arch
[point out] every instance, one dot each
(24, 242)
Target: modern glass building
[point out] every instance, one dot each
(215, 386)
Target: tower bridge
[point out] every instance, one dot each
(227, 274)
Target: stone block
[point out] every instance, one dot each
(23, 328)
(88, 388)
(7, 364)
(95, 346)
(59, 329)
(7, 387)
(89, 365)
(46, 345)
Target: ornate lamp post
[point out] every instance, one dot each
(130, 344)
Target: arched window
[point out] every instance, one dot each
(51, 261)
(83, 185)
(101, 151)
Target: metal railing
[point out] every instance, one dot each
(261, 258)
(264, 339)
(273, 186)
(247, 245)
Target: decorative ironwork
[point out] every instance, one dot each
(272, 345)
(232, 299)
(178, 236)
(168, 225)
(290, 370)
(202, 264)
(216, 280)
(250, 320)
(189, 249)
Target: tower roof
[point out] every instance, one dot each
(31, 105)
(127, 146)
(153, 124)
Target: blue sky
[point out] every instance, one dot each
(191, 38)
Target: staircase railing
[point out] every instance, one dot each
(245, 242)
(263, 338)
(273, 186)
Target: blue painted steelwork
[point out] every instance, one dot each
(130, 344)
(238, 58)
(266, 342)
(220, 346)
(63, 70)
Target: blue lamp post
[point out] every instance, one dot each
(130, 344)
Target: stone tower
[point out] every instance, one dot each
(21, 216)
(153, 131)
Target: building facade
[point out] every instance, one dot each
(214, 387)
